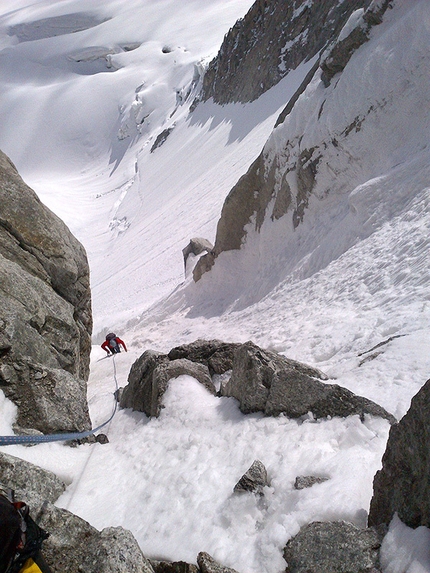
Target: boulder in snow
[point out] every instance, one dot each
(215, 354)
(254, 480)
(149, 378)
(335, 546)
(303, 482)
(268, 382)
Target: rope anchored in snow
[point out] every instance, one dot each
(13, 440)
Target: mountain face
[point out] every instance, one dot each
(270, 41)
(46, 320)
(340, 150)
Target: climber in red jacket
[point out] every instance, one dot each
(112, 344)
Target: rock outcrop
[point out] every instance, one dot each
(283, 181)
(272, 39)
(196, 246)
(76, 547)
(262, 381)
(46, 321)
(334, 546)
(30, 483)
(149, 378)
(402, 486)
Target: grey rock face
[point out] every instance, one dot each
(207, 564)
(254, 480)
(46, 321)
(337, 546)
(31, 484)
(403, 483)
(272, 39)
(267, 382)
(149, 377)
(77, 547)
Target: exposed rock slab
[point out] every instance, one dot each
(31, 484)
(403, 484)
(333, 547)
(268, 382)
(46, 320)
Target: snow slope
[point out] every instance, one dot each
(80, 112)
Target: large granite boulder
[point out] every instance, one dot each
(265, 381)
(46, 322)
(149, 378)
(333, 547)
(402, 486)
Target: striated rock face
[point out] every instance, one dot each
(46, 323)
(402, 486)
(272, 39)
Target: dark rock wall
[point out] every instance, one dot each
(403, 483)
(273, 38)
(45, 301)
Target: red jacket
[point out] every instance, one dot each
(106, 344)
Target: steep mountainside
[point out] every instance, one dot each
(272, 39)
(46, 321)
(341, 151)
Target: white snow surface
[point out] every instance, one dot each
(86, 89)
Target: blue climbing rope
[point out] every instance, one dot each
(13, 440)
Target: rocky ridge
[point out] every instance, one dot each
(272, 39)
